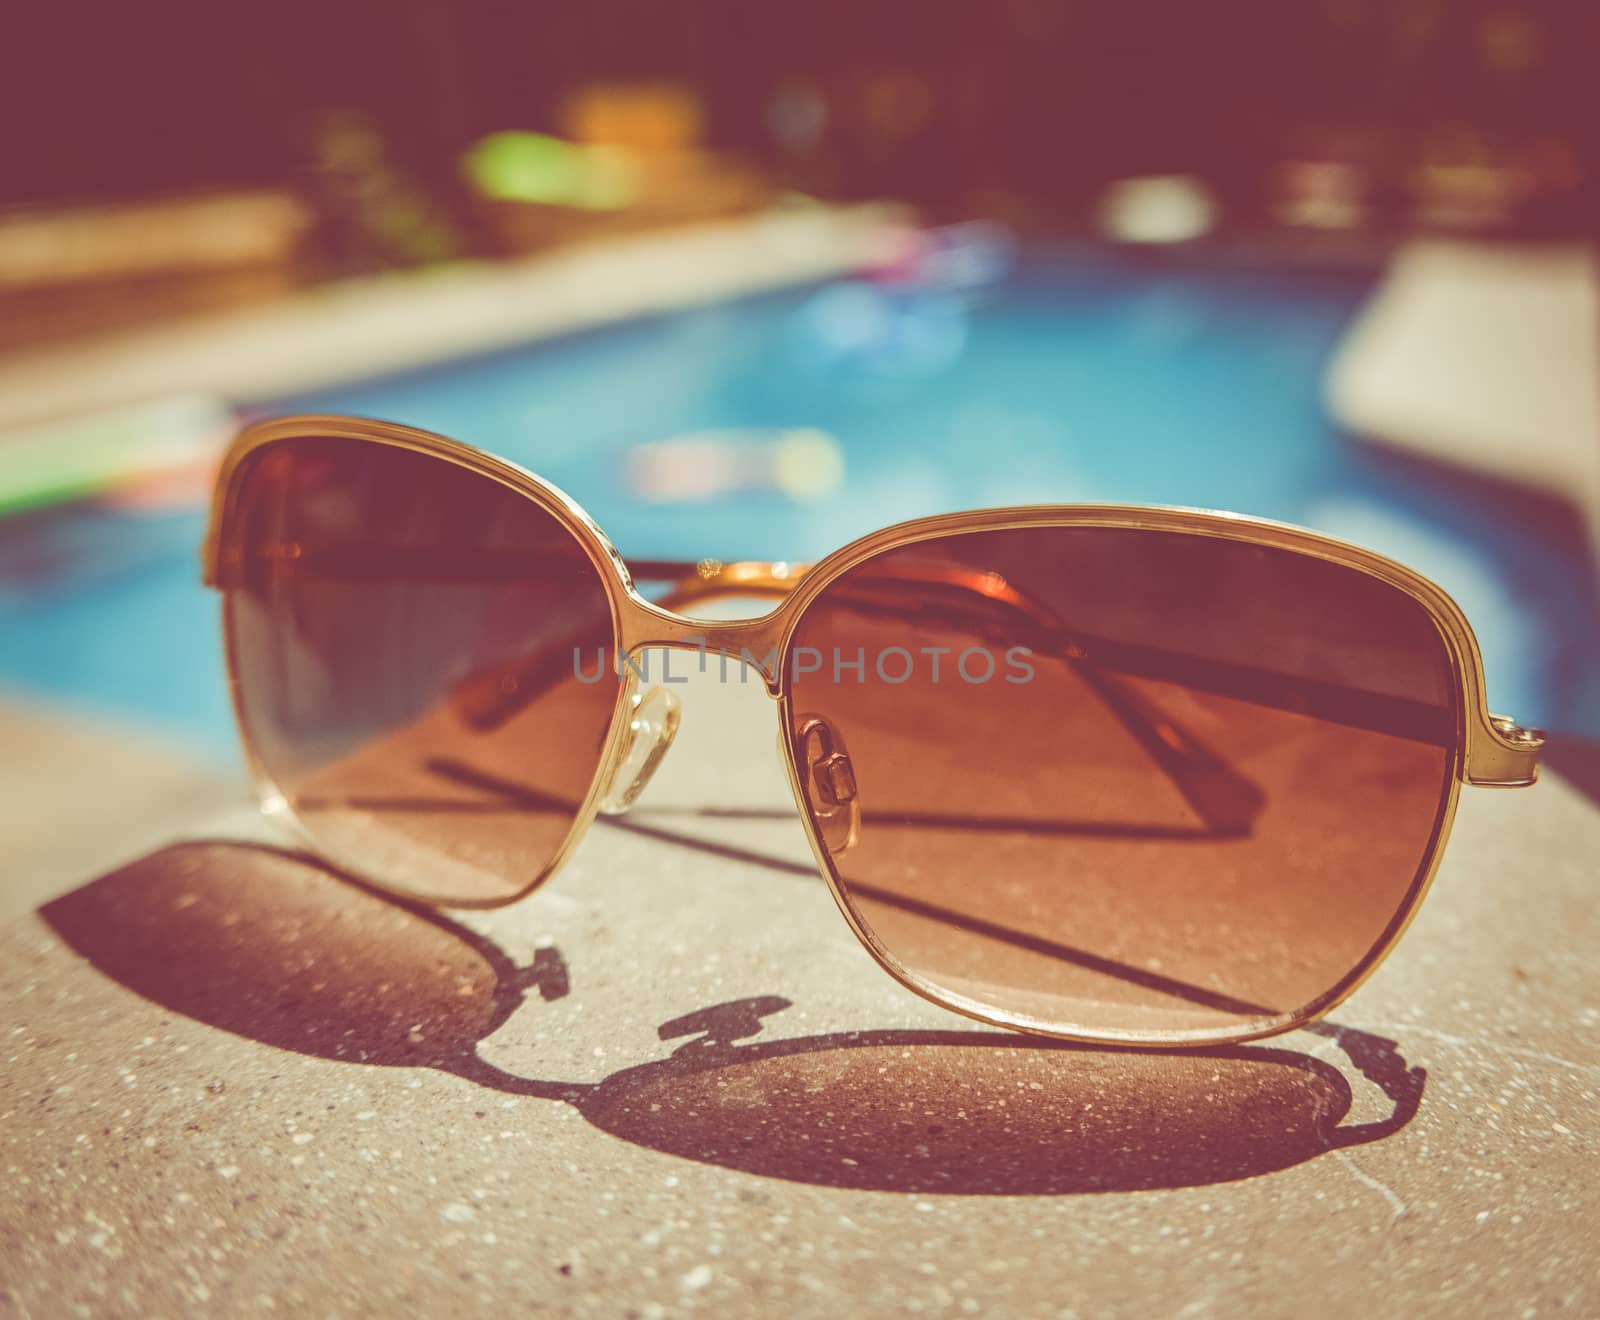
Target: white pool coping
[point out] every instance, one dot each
(1484, 358)
(354, 329)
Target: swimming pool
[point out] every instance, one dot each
(1069, 376)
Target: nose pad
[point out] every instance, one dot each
(829, 781)
(651, 728)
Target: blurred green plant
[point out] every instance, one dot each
(515, 166)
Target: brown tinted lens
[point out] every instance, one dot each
(1137, 783)
(403, 634)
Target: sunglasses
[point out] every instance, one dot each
(1134, 775)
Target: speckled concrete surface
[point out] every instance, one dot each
(78, 796)
(670, 1081)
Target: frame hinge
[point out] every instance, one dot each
(1509, 759)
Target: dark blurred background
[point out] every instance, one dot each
(1024, 109)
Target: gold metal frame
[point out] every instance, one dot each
(1489, 749)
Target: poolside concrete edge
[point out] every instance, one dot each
(390, 323)
(1485, 358)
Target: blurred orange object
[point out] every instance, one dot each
(642, 117)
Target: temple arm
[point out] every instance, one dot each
(972, 592)
(1226, 799)
(1336, 702)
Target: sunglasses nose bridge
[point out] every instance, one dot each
(725, 643)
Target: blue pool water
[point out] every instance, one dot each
(1073, 378)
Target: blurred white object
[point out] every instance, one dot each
(1173, 208)
(1487, 358)
(801, 463)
